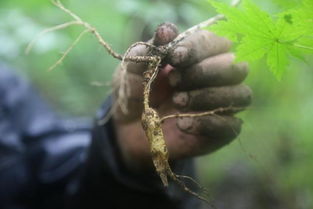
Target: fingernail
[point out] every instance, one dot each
(174, 78)
(243, 66)
(247, 96)
(179, 55)
(185, 124)
(181, 99)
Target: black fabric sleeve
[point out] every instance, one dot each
(50, 163)
(106, 181)
(40, 153)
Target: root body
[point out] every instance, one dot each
(152, 127)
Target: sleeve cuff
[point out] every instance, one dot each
(105, 144)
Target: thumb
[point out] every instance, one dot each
(164, 33)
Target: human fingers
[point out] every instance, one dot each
(133, 77)
(211, 126)
(189, 137)
(212, 98)
(197, 47)
(218, 70)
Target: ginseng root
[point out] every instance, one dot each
(151, 123)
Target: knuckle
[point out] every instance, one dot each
(179, 55)
(139, 50)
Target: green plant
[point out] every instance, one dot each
(258, 34)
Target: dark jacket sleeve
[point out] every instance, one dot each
(40, 154)
(107, 180)
(47, 162)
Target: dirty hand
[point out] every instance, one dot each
(198, 75)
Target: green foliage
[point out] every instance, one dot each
(259, 35)
(286, 4)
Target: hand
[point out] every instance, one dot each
(199, 76)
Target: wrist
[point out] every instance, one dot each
(133, 145)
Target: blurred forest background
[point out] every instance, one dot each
(272, 162)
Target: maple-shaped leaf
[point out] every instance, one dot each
(259, 35)
(307, 14)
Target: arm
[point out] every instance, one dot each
(199, 75)
(44, 163)
(126, 170)
(108, 180)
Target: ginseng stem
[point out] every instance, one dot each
(149, 76)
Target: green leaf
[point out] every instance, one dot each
(223, 29)
(297, 53)
(259, 35)
(252, 49)
(277, 59)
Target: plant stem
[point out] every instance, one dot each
(302, 46)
